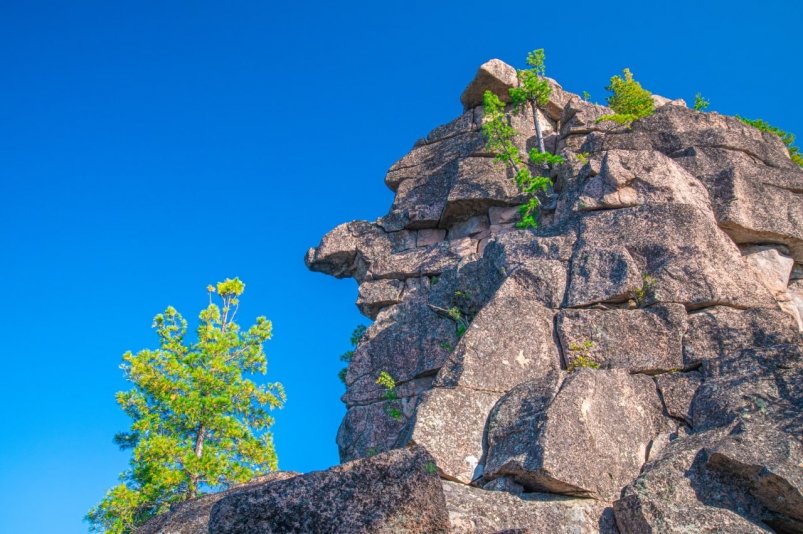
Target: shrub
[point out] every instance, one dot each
(629, 100)
(700, 103)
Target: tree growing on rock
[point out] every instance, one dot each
(629, 101)
(199, 424)
(532, 93)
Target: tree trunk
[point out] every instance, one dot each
(199, 440)
(539, 136)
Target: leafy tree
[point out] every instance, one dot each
(629, 100)
(700, 103)
(199, 424)
(532, 94)
(787, 137)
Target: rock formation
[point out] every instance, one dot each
(633, 365)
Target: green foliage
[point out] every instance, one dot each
(629, 100)
(445, 345)
(787, 137)
(647, 291)
(431, 468)
(356, 336)
(198, 422)
(586, 96)
(390, 395)
(583, 157)
(700, 103)
(533, 92)
(581, 357)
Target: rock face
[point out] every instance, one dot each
(635, 364)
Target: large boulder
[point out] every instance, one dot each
(398, 491)
(192, 517)
(647, 340)
(587, 436)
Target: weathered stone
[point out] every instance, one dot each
(764, 383)
(694, 264)
(481, 184)
(476, 227)
(503, 215)
(647, 340)
(347, 250)
(601, 418)
(465, 246)
(631, 178)
(542, 280)
(715, 332)
(773, 267)
(391, 492)
(458, 139)
(677, 391)
(414, 263)
(474, 511)
(767, 461)
(377, 294)
(450, 424)
(370, 429)
(192, 517)
(509, 341)
(429, 236)
(495, 76)
(603, 275)
(677, 493)
(795, 291)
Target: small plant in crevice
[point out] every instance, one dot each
(582, 157)
(581, 356)
(356, 336)
(371, 451)
(700, 103)
(462, 311)
(445, 345)
(629, 100)
(390, 396)
(431, 468)
(647, 291)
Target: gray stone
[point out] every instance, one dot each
(677, 493)
(774, 268)
(503, 215)
(477, 227)
(192, 517)
(474, 511)
(631, 178)
(589, 440)
(464, 246)
(481, 184)
(430, 236)
(677, 392)
(694, 264)
(430, 261)
(391, 492)
(495, 76)
(377, 294)
(648, 340)
(718, 331)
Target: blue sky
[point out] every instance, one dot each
(148, 149)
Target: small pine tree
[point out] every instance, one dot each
(700, 103)
(629, 100)
(532, 94)
(198, 422)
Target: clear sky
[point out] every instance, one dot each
(148, 149)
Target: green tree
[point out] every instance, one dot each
(532, 94)
(199, 424)
(629, 100)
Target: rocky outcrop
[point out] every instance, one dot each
(632, 354)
